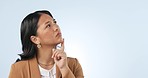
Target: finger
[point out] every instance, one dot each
(59, 56)
(56, 53)
(55, 59)
(62, 45)
(55, 56)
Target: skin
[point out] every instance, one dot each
(49, 36)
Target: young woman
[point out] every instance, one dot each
(41, 58)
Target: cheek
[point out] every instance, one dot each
(48, 36)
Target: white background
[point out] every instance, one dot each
(109, 37)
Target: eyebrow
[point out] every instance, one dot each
(50, 21)
(47, 22)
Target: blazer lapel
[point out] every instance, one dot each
(34, 69)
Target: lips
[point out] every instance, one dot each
(58, 34)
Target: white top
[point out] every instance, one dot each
(48, 73)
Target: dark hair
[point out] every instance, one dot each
(29, 28)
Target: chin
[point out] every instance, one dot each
(59, 41)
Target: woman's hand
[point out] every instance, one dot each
(60, 57)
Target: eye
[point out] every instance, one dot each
(48, 25)
(55, 21)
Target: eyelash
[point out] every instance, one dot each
(48, 25)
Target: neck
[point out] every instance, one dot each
(44, 55)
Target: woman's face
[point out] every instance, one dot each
(48, 32)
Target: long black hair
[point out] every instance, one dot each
(29, 28)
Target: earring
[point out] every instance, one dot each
(39, 45)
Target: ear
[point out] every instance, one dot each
(35, 39)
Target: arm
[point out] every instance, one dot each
(69, 69)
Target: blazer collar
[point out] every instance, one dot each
(35, 72)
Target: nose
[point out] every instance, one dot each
(55, 27)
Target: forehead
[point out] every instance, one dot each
(44, 18)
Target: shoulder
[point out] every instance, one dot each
(73, 62)
(75, 67)
(20, 65)
(22, 62)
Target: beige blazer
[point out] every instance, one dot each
(30, 69)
